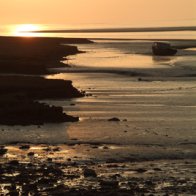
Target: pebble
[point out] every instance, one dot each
(90, 173)
(31, 154)
(24, 147)
(109, 184)
(114, 119)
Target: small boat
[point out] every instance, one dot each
(163, 49)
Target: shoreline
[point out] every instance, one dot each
(19, 94)
(119, 30)
(68, 174)
(138, 39)
(35, 55)
(150, 118)
(51, 40)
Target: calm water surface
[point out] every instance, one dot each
(159, 111)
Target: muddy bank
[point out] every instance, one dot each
(21, 48)
(59, 170)
(51, 40)
(37, 87)
(19, 94)
(35, 55)
(29, 112)
(29, 67)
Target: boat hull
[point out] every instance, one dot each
(163, 49)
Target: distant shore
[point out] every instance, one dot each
(30, 55)
(139, 39)
(120, 29)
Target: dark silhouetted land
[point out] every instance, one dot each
(119, 30)
(19, 94)
(27, 55)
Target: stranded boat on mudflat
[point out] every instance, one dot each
(163, 49)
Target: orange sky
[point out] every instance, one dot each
(99, 12)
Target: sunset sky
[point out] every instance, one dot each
(99, 12)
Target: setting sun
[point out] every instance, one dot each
(25, 29)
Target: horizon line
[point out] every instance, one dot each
(117, 30)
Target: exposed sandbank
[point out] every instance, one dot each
(18, 95)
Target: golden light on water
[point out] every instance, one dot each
(25, 30)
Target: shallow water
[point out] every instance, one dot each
(157, 119)
(131, 54)
(153, 97)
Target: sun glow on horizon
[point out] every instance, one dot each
(25, 30)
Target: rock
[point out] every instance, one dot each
(113, 166)
(47, 149)
(14, 162)
(157, 169)
(49, 159)
(72, 176)
(105, 147)
(56, 149)
(109, 184)
(24, 147)
(95, 147)
(2, 151)
(149, 183)
(74, 139)
(90, 173)
(140, 170)
(114, 119)
(89, 95)
(30, 154)
(116, 176)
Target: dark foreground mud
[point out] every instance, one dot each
(51, 170)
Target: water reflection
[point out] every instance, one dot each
(48, 133)
(116, 55)
(166, 60)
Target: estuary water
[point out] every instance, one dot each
(153, 98)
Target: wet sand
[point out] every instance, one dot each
(63, 170)
(150, 150)
(148, 147)
(156, 118)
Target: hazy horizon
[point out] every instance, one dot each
(140, 13)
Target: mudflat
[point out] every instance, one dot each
(19, 93)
